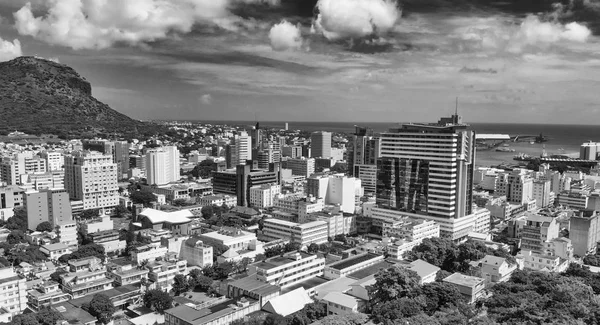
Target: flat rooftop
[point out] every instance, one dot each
(279, 261)
(206, 315)
(307, 284)
(346, 263)
(251, 284)
(361, 274)
(464, 280)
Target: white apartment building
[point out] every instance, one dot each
(301, 166)
(573, 200)
(22, 163)
(482, 220)
(452, 228)
(240, 243)
(148, 253)
(336, 189)
(298, 204)
(287, 270)
(67, 233)
(162, 165)
(162, 273)
(14, 291)
(542, 193)
(303, 234)
(516, 185)
(218, 199)
(241, 149)
(262, 196)
(337, 223)
(91, 177)
(54, 160)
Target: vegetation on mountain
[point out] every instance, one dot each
(39, 96)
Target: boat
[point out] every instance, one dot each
(531, 142)
(505, 149)
(522, 157)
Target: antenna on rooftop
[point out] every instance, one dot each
(456, 107)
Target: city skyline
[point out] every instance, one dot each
(233, 59)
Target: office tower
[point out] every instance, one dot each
(162, 165)
(428, 168)
(286, 126)
(301, 166)
(239, 151)
(320, 144)
(368, 177)
(589, 150)
(516, 185)
(91, 177)
(246, 177)
(47, 205)
(292, 151)
(256, 136)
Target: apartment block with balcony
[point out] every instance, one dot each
(126, 273)
(45, 294)
(537, 230)
(289, 269)
(162, 273)
(86, 276)
(13, 291)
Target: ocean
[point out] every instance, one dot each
(562, 139)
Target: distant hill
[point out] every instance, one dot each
(41, 96)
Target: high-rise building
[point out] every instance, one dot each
(119, 150)
(292, 151)
(54, 160)
(10, 197)
(262, 196)
(589, 150)
(364, 149)
(91, 177)
(256, 136)
(542, 194)
(320, 144)
(239, 150)
(368, 177)
(246, 178)
(162, 165)
(14, 291)
(47, 205)
(428, 168)
(11, 168)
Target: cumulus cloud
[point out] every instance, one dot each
(98, 24)
(206, 99)
(285, 36)
(494, 34)
(343, 19)
(9, 50)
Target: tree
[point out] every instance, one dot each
(44, 226)
(142, 197)
(56, 275)
(344, 319)
(393, 283)
(207, 212)
(18, 221)
(180, 203)
(16, 237)
(223, 270)
(260, 257)
(180, 284)
(275, 319)
(204, 283)
(102, 308)
(388, 311)
(89, 250)
(158, 300)
(592, 260)
(90, 214)
(438, 295)
(313, 248)
(122, 212)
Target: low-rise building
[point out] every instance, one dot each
(218, 199)
(126, 273)
(54, 251)
(262, 196)
(351, 265)
(471, 287)
(289, 269)
(222, 313)
(196, 253)
(86, 276)
(45, 294)
(240, 243)
(252, 287)
(496, 269)
(148, 252)
(340, 303)
(162, 273)
(427, 272)
(303, 234)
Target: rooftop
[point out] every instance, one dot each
(423, 268)
(341, 284)
(307, 284)
(250, 283)
(55, 247)
(346, 263)
(342, 299)
(157, 216)
(278, 261)
(192, 316)
(464, 280)
(370, 270)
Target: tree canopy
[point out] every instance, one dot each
(102, 308)
(44, 226)
(158, 300)
(142, 197)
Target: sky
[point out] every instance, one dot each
(534, 61)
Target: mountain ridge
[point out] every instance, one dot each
(42, 96)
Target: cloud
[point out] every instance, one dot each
(343, 19)
(99, 24)
(466, 69)
(206, 99)
(285, 36)
(495, 34)
(9, 50)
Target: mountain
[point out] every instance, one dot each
(41, 96)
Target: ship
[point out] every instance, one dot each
(522, 157)
(505, 149)
(541, 138)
